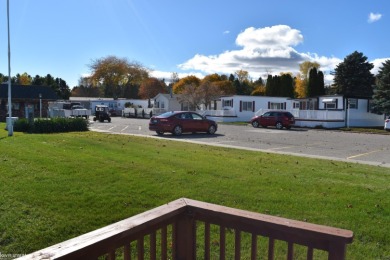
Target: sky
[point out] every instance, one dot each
(197, 37)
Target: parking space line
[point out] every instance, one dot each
(124, 128)
(282, 148)
(363, 154)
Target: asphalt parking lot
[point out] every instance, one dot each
(373, 149)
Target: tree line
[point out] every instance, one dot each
(120, 78)
(57, 84)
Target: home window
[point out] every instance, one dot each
(15, 106)
(247, 106)
(353, 103)
(227, 103)
(276, 105)
(330, 105)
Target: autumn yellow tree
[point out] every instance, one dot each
(300, 86)
(23, 79)
(179, 86)
(224, 86)
(114, 74)
(301, 80)
(151, 87)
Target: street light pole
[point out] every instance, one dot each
(40, 105)
(9, 121)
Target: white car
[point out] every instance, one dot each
(387, 124)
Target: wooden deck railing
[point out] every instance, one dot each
(189, 229)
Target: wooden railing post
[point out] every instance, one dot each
(337, 251)
(185, 237)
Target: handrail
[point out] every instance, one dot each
(184, 215)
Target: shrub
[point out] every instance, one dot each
(54, 125)
(22, 125)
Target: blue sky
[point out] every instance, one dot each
(196, 37)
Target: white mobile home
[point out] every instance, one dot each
(243, 108)
(336, 111)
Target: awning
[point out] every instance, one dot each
(326, 100)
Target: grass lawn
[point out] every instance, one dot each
(58, 186)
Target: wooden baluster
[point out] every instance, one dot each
(127, 252)
(140, 248)
(271, 246)
(164, 242)
(222, 239)
(111, 255)
(254, 247)
(153, 245)
(309, 253)
(207, 241)
(290, 252)
(185, 242)
(237, 244)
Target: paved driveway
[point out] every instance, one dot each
(371, 149)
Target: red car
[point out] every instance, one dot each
(279, 119)
(178, 122)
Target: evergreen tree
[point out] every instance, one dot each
(381, 97)
(287, 86)
(353, 77)
(268, 86)
(321, 83)
(311, 90)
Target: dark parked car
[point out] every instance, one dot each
(279, 119)
(178, 122)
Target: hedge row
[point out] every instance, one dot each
(53, 125)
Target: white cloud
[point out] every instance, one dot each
(378, 64)
(372, 17)
(226, 32)
(168, 75)
(263, 51)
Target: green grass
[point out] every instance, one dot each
(58, 186)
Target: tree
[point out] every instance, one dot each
(300, 86)
(191, 95)
(151, 87)
(286, 85)
(23, 79)
(209, 91)
(306, 66)
(381, 97)
(114, 75)
(179, 86)
(220, 84)
(258, 88)
(302, 79)
(353, 77)
(242, 83)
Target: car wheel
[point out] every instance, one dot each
(94, 119)
(177, 130)
(255, 124)
(211, 130)
(160, 132)
(109, 120)
(279, 125)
